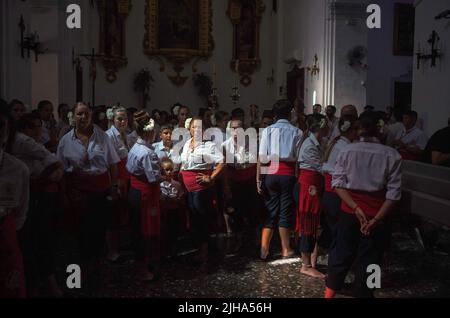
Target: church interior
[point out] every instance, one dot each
(220, 58)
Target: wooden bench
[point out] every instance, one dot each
(426, 189)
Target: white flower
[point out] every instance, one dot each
(213, 120)
(346, 126)
(101, 116)
(110, 114)
(381, 125)
(150, 126)
(323, 123)
(176, 110)
(188, 123)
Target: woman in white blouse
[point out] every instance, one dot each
(14, 196)
(118, 135)
(90, 166)
(201, 164)
(144, 197)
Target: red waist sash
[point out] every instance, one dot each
(88, 182)
(369, 202)
(328, 182)
(310, 205)
(282, 168)
(241, 175)
(190, 180)
(150, 211)
(122, 169)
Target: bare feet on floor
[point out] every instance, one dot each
(312, 272)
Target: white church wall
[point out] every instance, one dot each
(384, 66)
(431, 93)
(164, 93)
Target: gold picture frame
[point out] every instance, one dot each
(113, 15)
(178, 32)
(246, 16)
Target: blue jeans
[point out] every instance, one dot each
(201, 206)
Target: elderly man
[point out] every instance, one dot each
(411, 141)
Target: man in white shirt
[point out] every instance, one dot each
(411, 141)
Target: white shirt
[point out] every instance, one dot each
(143, 161)
(161, 151)
(413, 137)
(45, 137)
(370, 167)
(132, 138)
(310, 156)
(333, 126)
(394, 130)
(328, 167)
(14, 188)
(203, 157)
(237, 156)
(116, 139)
(285, 144)
(95, 159)
(33, 154)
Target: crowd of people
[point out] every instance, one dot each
(320, 181)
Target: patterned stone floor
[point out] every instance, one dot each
(237, 273)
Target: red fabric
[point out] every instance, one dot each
(308, 213)
(406, 155)
(12, 278)
(190, 181)
(328, 181)
(122, 169)
(282, 168)
(48, 187)
(88, 182)
(242, 175)
(150, 197)
(370, 203)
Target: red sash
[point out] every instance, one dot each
(12, 278)
(190, 181)
(122, 169)
(282, 168)
(242, 175)
(369, 202)
(308, 213)
(88, 182)
(328, 182)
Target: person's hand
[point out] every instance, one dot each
(370, 226)
(361, 217)
(259, 187)
(203, 179)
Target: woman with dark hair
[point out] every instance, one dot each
(39, 233)
(14, 196)
(331, 202)
(201, 165)
(90, 165)
(144, 197)
(311, 189)
(367, 178)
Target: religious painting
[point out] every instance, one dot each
(404, 29)
(178, 31)
(113, 14)
(246, 18)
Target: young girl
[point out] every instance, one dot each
(331, 202)
(172, 207)
(144, 197)
(311, 189)
(118, 136)
(14, 196)
(367, 178)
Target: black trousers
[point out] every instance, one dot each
(245, 202)
(201, 207)
(279, 201)
(38, 236)
(352, 247)
(331, 204)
